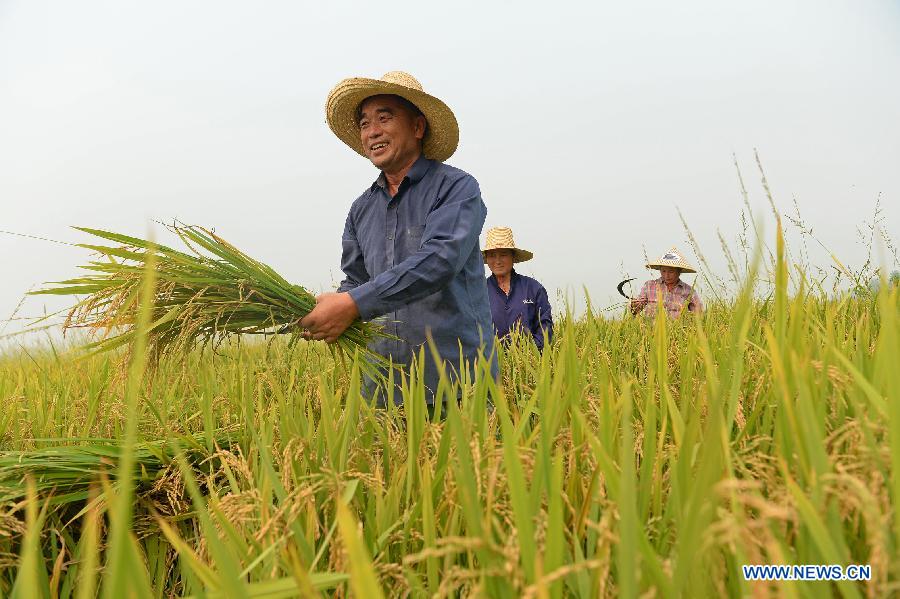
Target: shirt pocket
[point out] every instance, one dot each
(413, 236)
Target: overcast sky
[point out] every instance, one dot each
(586, 123)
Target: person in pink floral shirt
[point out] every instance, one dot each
(676, 295)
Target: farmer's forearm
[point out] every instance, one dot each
(417, 277)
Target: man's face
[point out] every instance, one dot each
(391, 135)
(499, 261)
(669, 274)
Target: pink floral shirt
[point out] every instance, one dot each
(675, 301)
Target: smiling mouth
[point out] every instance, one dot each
(378, 146)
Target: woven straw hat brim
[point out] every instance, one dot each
(519, 255)
(441, 139)
(676, 263)
(683, 268)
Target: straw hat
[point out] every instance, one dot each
(441, 135)
(672, 258)
(501, 238)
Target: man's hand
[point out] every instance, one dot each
(334, 312)
(637, 305)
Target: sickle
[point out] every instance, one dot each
(620, 285)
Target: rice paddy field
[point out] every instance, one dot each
(633, 458)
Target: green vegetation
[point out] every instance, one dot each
(206, 295)
(631, 457)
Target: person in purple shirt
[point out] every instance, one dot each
(517, 301)
(410, 241)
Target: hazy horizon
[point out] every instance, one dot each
(588, 126)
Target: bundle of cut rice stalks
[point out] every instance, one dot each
(205, 295)
(66, 471)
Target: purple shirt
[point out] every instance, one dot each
(526, 306)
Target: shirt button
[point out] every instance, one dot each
(390, 237)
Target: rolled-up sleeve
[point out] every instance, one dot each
(451, 233)
(352, 262)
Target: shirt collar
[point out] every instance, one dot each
(419, 168)
(415, 174)
(680, 284)
(513, 276)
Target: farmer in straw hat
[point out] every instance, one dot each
(517, 301)
(410, 241)
(675, 294)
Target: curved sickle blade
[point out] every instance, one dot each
(622, 284)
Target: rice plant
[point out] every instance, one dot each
(631, 458)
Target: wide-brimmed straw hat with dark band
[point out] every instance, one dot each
(441, 136)
(673, 258)
(501, 238)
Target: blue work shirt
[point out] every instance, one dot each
(415, 260)
(526, 306)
